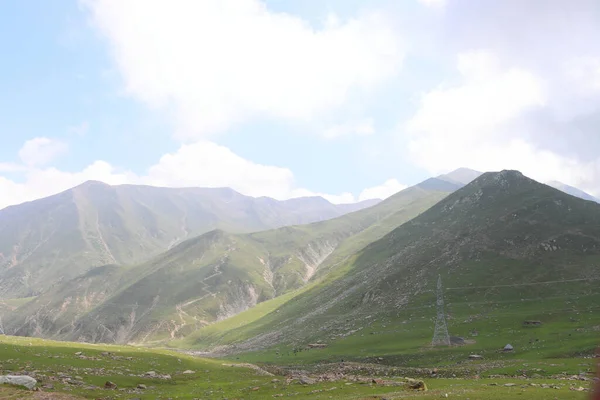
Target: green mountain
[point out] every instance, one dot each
(508, 249)
(208, 278)
(54, 239)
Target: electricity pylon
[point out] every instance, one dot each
(440, 335)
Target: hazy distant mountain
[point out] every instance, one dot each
(573, 191)
(59, 237)
(461, 176)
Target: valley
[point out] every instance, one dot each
(343, 307)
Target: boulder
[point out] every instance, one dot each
(110, 385)
(305, 380)
(18, 380)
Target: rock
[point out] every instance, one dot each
(110, 385)
(19, 380)
(150, 373)
(189, 371)
(509, 384)
(305, 380)
(274, 380)
(419, 385)
(141, 386)
(78, 353)
(475, 357)
(48, 386)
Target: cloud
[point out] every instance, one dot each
(41, 150)
(359, 128)
(584, 73)
(482, 123)
(433, 3)
(202, 163)
(387, 189)
(214, 64)
(208, 164)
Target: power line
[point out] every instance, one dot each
(440, 334)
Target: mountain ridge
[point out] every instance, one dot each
(92, 224)
(211, 276)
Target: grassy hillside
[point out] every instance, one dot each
(50, 240)
(208, 278)
(508, 249)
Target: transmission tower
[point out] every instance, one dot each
(440, 335)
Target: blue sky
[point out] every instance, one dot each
(342, 98)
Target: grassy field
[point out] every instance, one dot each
(61, 370)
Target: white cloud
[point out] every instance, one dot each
(41, 150)
(584, 73)
(487, 98)
(387, 189)
(41, 182)
(203, 164)
(11, 167)
(359, 128)
(208, 164)
(479, 123)
(433, 3)
(217, 63)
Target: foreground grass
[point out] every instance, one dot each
(57, 364)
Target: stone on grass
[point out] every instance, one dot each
(19, 380)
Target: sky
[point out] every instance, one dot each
(346, 99)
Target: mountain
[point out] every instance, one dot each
(507, 248)
(573, 191)
(461, 176)
(208, 278)
(57, 238)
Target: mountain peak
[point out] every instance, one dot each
(461, 176)
(92, 183)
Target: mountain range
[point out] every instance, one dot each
(126, 264)
(54, 239)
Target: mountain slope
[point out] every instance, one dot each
(57, 238)
(573, 191)
(502, 244)
(212, 277)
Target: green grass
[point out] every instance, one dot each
(213, 380)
